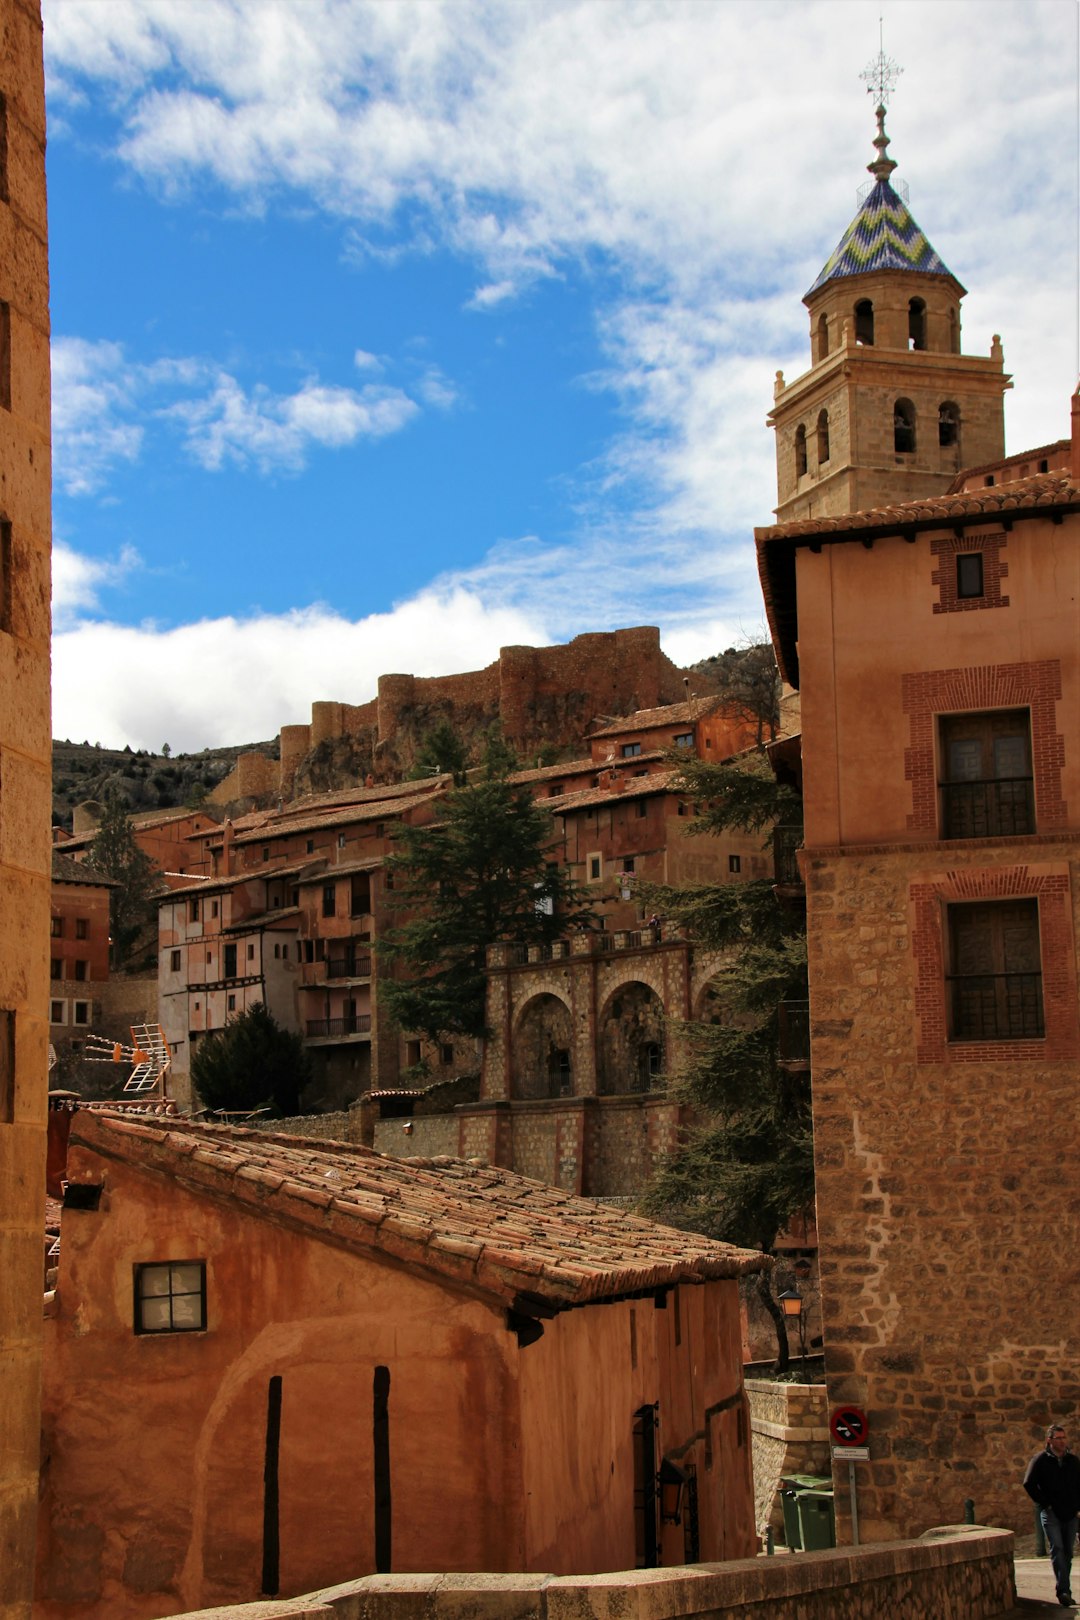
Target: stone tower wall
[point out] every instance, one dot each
(25, 778)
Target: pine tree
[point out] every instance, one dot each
(442, 752)
(252, 1063)
(131, 903)
(746, 1172)
(485, 869)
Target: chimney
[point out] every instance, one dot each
(1074, 462)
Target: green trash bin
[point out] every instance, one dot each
(789, 1501)
(808, 1482)
(817, 1520)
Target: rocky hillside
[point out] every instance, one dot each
(145, 781)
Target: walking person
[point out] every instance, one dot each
(1052, 1480)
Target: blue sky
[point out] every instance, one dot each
(388, 334)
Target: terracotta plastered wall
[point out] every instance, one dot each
(941, 1202)
(25, 776)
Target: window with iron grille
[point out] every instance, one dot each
(986, 787)
(995, 971)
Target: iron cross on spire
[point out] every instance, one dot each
(880, 77)
(881, 74)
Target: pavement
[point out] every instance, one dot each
(1035, 1588)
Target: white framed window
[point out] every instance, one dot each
(57, 1012)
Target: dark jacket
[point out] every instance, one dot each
(1054, 1483)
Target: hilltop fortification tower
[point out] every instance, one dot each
(890, 409)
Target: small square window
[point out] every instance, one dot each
(734, 863)
(82, 928)
(174, 961)
(628, 863)
(969, 574)
(171, 1298)
(57, 927)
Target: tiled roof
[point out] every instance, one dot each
(633, 788)
(882, 236)
(671, 714)
(459, 1221)
(552, 773)
(283, 824)
(1042, 452)
(1047, 495)
(66, 869)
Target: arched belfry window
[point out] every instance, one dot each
(823, 436)
(916, 324)
(800, 451)
(903, 427)
(822, 337)
(864, 321)
(948, 423)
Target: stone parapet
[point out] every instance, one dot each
(951, 1574)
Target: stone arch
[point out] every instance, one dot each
(904, 427)
(707, 1004)
(822, 437)
(631, 1040)
(948, 423)
(541, 1049)
(800, 450)
(822, 338)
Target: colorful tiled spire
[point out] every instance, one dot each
(883, 235)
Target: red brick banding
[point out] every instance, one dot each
(995, 569)
(930, 693)
(1050, 887)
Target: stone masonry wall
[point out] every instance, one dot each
(789, 1425)
(954, 1576)
(940, 1187)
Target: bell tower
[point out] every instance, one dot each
(890, 409)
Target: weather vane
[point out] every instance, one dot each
(881, 74)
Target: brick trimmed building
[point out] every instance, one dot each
(933, 639)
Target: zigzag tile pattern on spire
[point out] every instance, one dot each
(882, 236)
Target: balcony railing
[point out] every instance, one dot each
(996, 1007)
(349, 966)
(786, 842)
(795, 1032)
(351, 1024)
(1002, 808)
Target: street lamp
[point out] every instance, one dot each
(672, 1482)
(791, 1303)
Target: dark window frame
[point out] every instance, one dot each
(141, 1270)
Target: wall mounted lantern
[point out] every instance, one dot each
(671, 1481)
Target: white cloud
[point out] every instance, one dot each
(79, 581)
(363, 361)
(230, 680)
(275, 432)
(705, 156)
(93, 392)
(102, 403)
